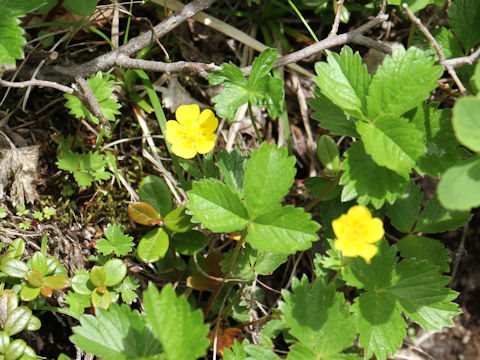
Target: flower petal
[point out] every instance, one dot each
(207, 121)
(184, 149)
(205, 143)
(187, 115)
(375, 231)
(174, 132)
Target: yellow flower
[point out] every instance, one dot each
(193, 132)
(356, 232)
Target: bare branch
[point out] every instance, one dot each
(44, 83)
(463, 61)
(336, 22)
(91, 102)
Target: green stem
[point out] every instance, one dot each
(227, 272)
(252, 118)
(299, 14)
(319, 198)
(58, 310)
(99, 138)
(200, 163)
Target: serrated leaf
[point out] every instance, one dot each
(154, 191)
(118, 333)
(459, 187)
(190, 242)
(116, 241)
(153, 245)
(423, 248)
(331, 117)
(11, 40)
(232, 167)
(464, 16)
(403, 81)
(466, 122)
(85, 167)
(344, 81)
(78, 302)
(435, 218)
(182, 333)
(81, 7)
(268, 177)
(380, 324)
(262, 65)
(142, 213)
(19, 7)
(371, 182)
(449, 43)
(318, 317)
(127, 289)
(421, 293)
(283, 230)
(406, 208)
(392, 138)
(442, 148)
(216, 206)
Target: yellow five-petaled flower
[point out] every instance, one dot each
(193, 132)
(356, 232)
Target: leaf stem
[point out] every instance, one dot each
(252, 118)
(58, 310)
(319, 198)
(200, 163)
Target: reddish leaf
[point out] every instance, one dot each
(46, 291)
(225, 339)
(142, 213)
(199, 282)
(212, 263)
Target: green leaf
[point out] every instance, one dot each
(190, 242)
(372, 183)
(78, 302)
(268, 177)
(475, 79)
(81, 7)
(459, 187)
(153, 246)
(449, 43)
(81, 284)
(29, 292)
(406, 208)
(127, 289)
(380, 324)
(403, 81)
(19, 7)
(85, 167)
(142, 213)
(115, 271)
(216, 206)
(101, 299)
(116, 241)
(414, 5)
(442, 148)
(232, 166)
(16, 349)
(56, 282)
(118, 333)
(283, 230)
(328, 154)
(13, 267)
(344, 81)
(178, 220)
(392, 138)
(423, 248)
(102, 88)
(182, 333)
(15, 249)
(154, 191)
(11, 40)
(422, 295)
(463, 16)
(97, 276)
(331, 117)
(435, 218)
(39, 263)
(318, 317)
(466, 122)
(35, 278)
(318, 186)
(17, 320)
(261, 66)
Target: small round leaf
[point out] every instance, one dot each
(115, 271)
(15, 349)
(35, 278)
(101, 300)
(189, 243)
(81, 284)
(14, 268)
(17, 320)
(153, 246)
(39, 263)
(29, 292)
(178, 221)
(56, 282)
(142, 213)
(97, 276)
(154, 191)
(34, 324)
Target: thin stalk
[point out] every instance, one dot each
(319, 198)
(58, 310)
(200, 163)
(299, 14)
(252, 118)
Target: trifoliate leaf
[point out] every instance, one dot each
(268, 177)
(318, 317)
(423, 248)
(116, 241)
(380, 324)
(371, 182)
(464, 16)
(154, 191)
(182, 333)
(232, 167)
(459, 187)
(390, 138)
(435, 218)
(466, 122)
(421, 294)
(283, 230)
(78, 302)
(216, 206)
(85, 167)
(102, 88)
(127, 289)
(331, 117)
(344, 81)
(449, 43)
(442, 148)
(403, 81)
(118, 333)
(404, 211)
